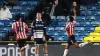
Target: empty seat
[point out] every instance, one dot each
(33, 3)
(60, 17)
(62, 23)
(79, 38)
(65, 37)
(7, 29)
(22, 3)
(52, 33)
(9, 23)
(53, 23)
(27, 8)
(59, 28)
(95, 23)
(83, 13)
(83, 7)
(3, 35)
(91, 7)
(53, 17)
(10, 8)
(79, 28)
(98, 7)
(58, 38)
(50, 28)
(89, 28)
(1, 24)
(62, 33)
(17, 8)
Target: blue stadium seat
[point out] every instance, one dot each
(60, 17)
(50, 29)
(17, 8)
(65, 37)
(24, 13)
(62, 33)
(84, 33)
(27, 8)
(79, 38)
(85, 24)
(9, 23)
(90, 18)
(33, 3)
(83, 7)
(97, 17)
(58, 38)
(10, 8)
(1, 24)
(94, 13)
(79, 28)
(22, 3)
(53, 23)
(91, 7)
(98, 7)
(98, 13)
(59, 28)
(89, 28)
(16, 12)
(3, 35)
(52, 33)
(83, 13)
(62, 23)
(53, 17)
(7, 29)
(95, 23)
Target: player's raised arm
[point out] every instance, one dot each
(74, 10)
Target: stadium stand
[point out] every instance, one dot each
(87, 27)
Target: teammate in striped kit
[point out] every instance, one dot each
(38, 34)
(70, 33)
(20, 29)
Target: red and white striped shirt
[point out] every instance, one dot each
(20, 29)
(70, 28)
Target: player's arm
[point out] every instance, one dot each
(26, 28)
(13, 28)
(32, 30)
(74, 10)
(44, 33)
(66, 27)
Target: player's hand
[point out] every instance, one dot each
(32, 38)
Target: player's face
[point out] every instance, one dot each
(4, 7)
(74, 4)
(38, 15)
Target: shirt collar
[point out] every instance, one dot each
(38, 20)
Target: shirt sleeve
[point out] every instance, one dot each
(32, 28)
(9, 15)
(66, 27)
(74, 22)
(67, 24)
(26, 28)
(13, 28)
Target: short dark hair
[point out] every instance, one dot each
(39, 12)
(17, 17)
(4, 4)
(71, 18)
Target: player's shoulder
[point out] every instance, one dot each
(24, 22)
(13, 23)
(74, 21)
